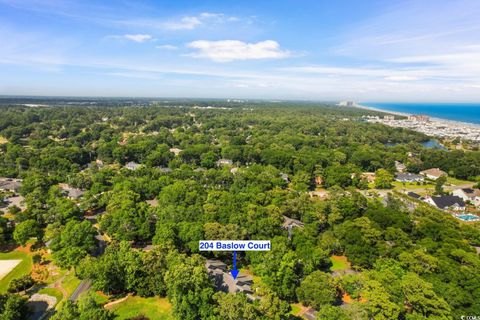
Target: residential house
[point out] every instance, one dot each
(400, 167)
(99, 163)
(133, 166)
(322, 194)
(153, 202)
(433, 173)
(318, 181)
(446, 202)
(419, 118)
(477, 249)
(164, 169)
(12, 185)
(408, 177)
(415, 195)
(224, 280)
(215, 264)
(70, 192)
(176, 151)
(224, 162)
(468, 194)
(284, 177)
(95, 164)
(369, 176)
(244, 283)
(289, 224)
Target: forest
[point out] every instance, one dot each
(234, 171)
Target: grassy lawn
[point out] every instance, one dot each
(21, 269)
(154, 308)
(70, 283)
(339, 263)
(457, 182)
(52, 292)
(411, 186)
(295, 309)
(100, 297)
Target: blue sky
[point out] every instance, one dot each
(311, 50)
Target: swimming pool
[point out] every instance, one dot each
(467, 217)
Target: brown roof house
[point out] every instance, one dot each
(433, 173)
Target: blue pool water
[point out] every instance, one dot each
(467, 217)
(464, 112)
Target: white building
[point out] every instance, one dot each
(468, 194)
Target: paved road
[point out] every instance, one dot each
(82, 287)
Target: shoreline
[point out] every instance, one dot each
(438, 120)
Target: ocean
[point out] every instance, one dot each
(464, 112)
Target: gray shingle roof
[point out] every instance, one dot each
(446, 201)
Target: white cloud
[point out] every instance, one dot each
(167, 47)
(401, 78)
(192, 22)
(134, 37)
(389, 74)
(229, 50)
(185, 23)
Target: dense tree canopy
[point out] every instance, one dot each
(407, 261)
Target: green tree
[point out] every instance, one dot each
(85, 309)
(73, 243)
(189, 288)
(271, 306)
(419, 261)
(328, 312)
(422, 300)
(234, 307)
(317, 290)
(439, 184)
(379, 305)
(25, 230)
(208, 159)
(383, 179)
(13, 307)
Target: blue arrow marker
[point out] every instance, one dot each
(234, 271)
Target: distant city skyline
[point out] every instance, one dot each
(290, 50)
